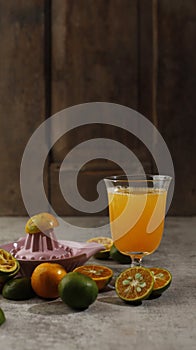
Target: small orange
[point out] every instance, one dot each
(100, 274)
(45, 279)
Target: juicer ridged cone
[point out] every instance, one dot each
(42, 246)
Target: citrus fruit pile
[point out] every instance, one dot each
(138, 283)
(79, 288)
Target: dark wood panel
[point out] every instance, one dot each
(145, 57)
(139, 53)
(22, 95)
(94, 58)
(176, 102)
(87, 181)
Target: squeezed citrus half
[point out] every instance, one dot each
(41, 222)
(8, 264)
(162, 280)
(106, 242)
(100, 274)
(134, 284)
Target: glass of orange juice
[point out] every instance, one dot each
(137, 207)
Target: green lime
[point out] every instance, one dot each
(77, 290)
(18, 289)
(116, 255)
(4, 277)
(134, 284)
(162, 280)
(2, 317)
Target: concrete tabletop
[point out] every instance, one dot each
(168, 322)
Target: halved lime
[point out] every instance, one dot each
(134, 284)
(107, 243)
(162, 280)
(2, 317)
(8, 264)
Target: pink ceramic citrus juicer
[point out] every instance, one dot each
(41, 245)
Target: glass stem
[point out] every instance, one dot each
(136, 261)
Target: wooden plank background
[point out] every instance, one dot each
(176, 102)
(55, 54)
(22, 91)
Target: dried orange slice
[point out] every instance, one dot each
(162, 280)
(107, 243)
(134, 284)
(100, 274)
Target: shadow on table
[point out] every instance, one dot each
(115, 300)
(55, 307)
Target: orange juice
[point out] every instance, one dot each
(137, 219)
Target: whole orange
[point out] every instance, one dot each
(45, 279)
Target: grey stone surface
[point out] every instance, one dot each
(167, 323)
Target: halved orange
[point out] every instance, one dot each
(162, 280)
(100, 274)
(134, 284)
(107, 242)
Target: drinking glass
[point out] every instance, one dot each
(137, 206)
